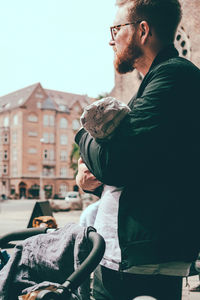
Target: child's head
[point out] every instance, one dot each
(102, 117)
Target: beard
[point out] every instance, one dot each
(125, 61)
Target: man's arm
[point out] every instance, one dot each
(143, 138)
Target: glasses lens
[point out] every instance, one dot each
(114, 32)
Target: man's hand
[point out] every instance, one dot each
(85, 179)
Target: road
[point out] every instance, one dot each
(15, 215)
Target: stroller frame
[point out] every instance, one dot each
(64, 290)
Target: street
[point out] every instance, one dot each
(15, 215)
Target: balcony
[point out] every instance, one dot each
(50, 163)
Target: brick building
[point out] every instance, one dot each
(37, 129)
(187, 42)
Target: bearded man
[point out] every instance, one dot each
(149, 207)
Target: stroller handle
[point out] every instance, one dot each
(20, 235)
(78, 277)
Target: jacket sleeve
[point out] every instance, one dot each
(142, 137)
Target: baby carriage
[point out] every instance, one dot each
(63, 258)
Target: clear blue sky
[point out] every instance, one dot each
(63, 44)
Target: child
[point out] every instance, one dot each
(103, 116)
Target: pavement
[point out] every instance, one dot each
(15, 215)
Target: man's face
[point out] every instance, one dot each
(126, 44)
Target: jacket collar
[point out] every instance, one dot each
(166, 53)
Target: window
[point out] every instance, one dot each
(39, 105)
(38, 95)
(45, 137)
(20, 101)
(63, 123)
(183, 43)
(51, 154)
(5, 139)
(51, 172)
(48, 154)
(32, 118)
(48, 120)
(32, 168)
(63, 190)
(51, 120)
(14, 154)
(48, 172)
(32, 133)
(48, 138)
(12, 190)
(6, 122)
(63, 139)
(45, 172)
(51, 138)
(63, 155)
(5, 154)
(15, 120)
(75, 125)
(45, 120)
(32, 150)
(45, 154)
(63, 172)
(14, 137)
(62, 107)
(14, 171)
(76, 108)
(5, 169)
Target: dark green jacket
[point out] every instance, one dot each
(155, 155)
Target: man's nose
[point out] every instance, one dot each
(112, 43)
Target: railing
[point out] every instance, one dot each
(49, 162)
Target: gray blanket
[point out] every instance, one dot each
(50, 257)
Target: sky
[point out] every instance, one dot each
(63, 44)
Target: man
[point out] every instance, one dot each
(148, 214)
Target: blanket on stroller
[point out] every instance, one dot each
(50, 257)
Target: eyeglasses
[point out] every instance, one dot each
(114, 29)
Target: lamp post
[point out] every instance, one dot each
(42, 195)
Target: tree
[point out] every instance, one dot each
(100, 96)
(74, 156)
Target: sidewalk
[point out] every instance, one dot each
(15, 214)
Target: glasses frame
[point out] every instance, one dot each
(119, 26)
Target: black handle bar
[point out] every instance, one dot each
(20, 235)
(90, 263)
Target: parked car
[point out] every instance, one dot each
(87, 197)
(73, 199)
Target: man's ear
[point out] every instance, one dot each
(144, 31)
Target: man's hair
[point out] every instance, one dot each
(163, 15)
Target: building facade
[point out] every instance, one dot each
(37, 129)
